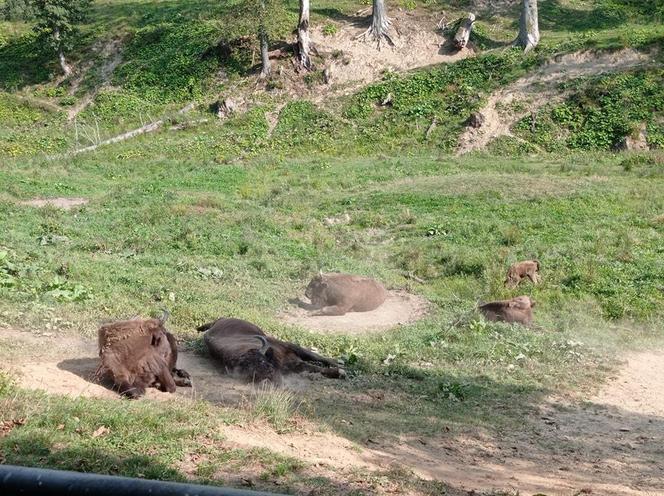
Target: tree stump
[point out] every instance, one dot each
(476, 120)
(224, 108)
(463, 33)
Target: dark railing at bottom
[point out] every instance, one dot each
(30, 481)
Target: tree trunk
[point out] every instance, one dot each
(66, 69)
(265, 57)
(463, 33)
(529, 35)
(380, 23)
(303, 41)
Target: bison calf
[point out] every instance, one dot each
(517, 310)
(337, 294)
(521, 270)
(244, 348)
(137, 354)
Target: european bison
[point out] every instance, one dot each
(517, 310)
(137, 354)
(520, 270)
(337, 294)
(244, 348)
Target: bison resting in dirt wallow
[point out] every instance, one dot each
(517, 310)
(137, 354)
(337, 294)
(244, 348)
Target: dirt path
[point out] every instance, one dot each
(509, 105)
(610, 444)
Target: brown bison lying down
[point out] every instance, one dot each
(521, 270)
(244, 348)
(336, 294)
(517, 310)
(136, 354)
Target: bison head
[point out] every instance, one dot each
(315, 289)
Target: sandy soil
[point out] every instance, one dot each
(67, 365)
(510, 104)
(417, 43)
(609, 444)
(399, 308)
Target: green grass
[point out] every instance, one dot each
(601, 112)
(227, 219)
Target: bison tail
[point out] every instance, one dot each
(205, 327)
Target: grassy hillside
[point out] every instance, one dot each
(179, 52)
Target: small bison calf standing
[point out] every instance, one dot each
(517, 310)
(137, 354)
(520, 270)
(244, 348)
(337, 294)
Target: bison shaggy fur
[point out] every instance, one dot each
(244, 348)
(337, 294)
(516, 310)
(137, 354)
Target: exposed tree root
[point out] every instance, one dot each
(377, 33)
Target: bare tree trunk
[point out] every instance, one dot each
(529, 35)
(303, 41)
(265, 57)
(66, 69)
(380, 23)
(463, 33)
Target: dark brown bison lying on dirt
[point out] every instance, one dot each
(518, 310)
(244, 348)
(137, 354)
(521, 270)
(337, 294)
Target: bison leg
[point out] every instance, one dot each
(332, 310)
(331, 372)
(310, 356)
(181, 378)
(131, 391)
(166, 382)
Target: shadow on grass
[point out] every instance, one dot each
(422, 421)
(23, 62)
(555, 16)
(37, 449)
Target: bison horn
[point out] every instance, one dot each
(164, 315)
(265, 346)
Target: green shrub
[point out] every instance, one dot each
(165, 62)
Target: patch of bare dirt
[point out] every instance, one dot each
(66, 365)
(110, 54)
(399, 308)
(509, 105)
(354, 62)
(63, 203)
